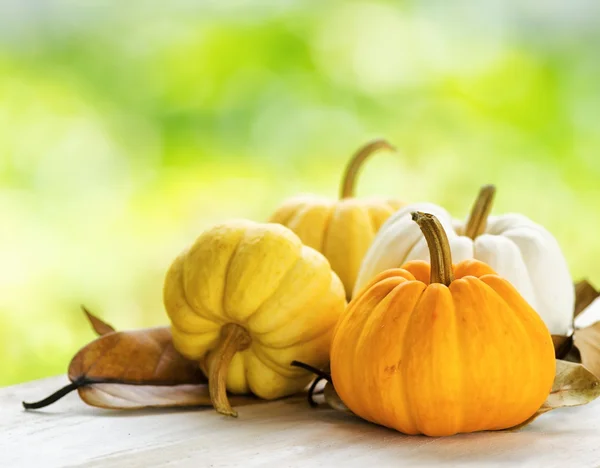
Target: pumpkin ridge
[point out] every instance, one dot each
(372, 223)
(373, 210)
(297, 343)
(526, 343)
(397, 291)
(459, 422)
(385, 274)
(226, 277)
(296, 207)
(314, 215)
(506, 361)
(405, 350)
(268, 362)
(320, 285)
(209, 313)
(471, 284)
(462, 357)
(276, 289)
(325, 240)
(520, 222)
(326, 230)
(377, 315)
(535, 320)
(529, 275)
(178, 290)
(352, 356)
(337, 208)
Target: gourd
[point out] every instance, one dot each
(340, 229)
(518, 249)
(441, 349)
(244, 301)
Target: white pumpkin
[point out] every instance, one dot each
(518, 249)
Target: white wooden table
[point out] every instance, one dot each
(280, 434)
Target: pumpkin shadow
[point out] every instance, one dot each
(476, 449)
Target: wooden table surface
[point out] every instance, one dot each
(280, 434)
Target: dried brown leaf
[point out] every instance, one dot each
(138, 357)
(132, 361)
(562, 345)
(119, 396)
(565, 349)
(574, 385)
(587, 341)
(99, 326)
(333, 399)
(585, 294)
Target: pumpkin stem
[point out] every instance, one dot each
(439, 247)
(234, 338)
(349, 179)
(480, 212)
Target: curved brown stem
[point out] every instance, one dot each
(56, 395)
(321, 375)
(234, 338)
(314, 370)
(349, 179)
(439, 247)
(480, 211)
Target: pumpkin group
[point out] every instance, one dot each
(244, 301)
(519, 250)
(441, 349)
(341, 229)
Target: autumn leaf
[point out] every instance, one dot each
(587, 341)
(136, 357)
(564, 346)
(99, 326)
(585, 294)
(141, 367)
(584, 345)
(333, 399)
(120, 396)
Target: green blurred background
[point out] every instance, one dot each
(127, 129)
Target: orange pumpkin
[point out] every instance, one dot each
(441, 349)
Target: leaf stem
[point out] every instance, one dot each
(56, 395)
(439, 247)
(480, 211)
(353, 167)
(314, 370)
(234, 338)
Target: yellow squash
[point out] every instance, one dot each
(247, 299)
(341, 229)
